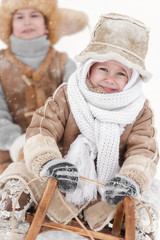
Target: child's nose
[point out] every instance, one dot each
(27, 21)
(109, 79)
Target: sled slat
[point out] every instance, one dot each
(77, 230)
(129, 210)
(42, 209)
(118, 219)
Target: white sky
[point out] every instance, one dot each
(147, 11)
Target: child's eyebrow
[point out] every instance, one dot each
(34, 11)
(16, 13)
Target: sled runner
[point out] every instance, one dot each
(124, 210)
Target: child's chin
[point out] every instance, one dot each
(29, 36)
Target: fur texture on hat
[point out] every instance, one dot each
(121, 38)
(60, 22)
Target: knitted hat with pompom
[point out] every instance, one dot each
(60, 22)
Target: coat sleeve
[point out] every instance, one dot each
(8, 130)
(141, 156)
(46, 131)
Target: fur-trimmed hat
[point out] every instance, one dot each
(60, 22)
(121, 38)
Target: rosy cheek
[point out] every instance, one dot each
(95, 83)
(15, 31)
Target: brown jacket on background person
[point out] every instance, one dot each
(32, 88)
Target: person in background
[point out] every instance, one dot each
(98, 126)
(30, 68)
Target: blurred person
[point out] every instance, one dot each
(30, 68)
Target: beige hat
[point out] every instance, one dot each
(60, 22)
(121, 38)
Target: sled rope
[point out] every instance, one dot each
(136, 200)
(38, 178)
(92, 181)
(66, 205)
(137, 217)
(78, 220)
(18, 197)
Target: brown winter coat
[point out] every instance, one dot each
(49, 137)
(25, 89)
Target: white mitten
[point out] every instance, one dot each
(16, 146)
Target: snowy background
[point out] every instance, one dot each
(148, 11)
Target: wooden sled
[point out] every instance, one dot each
(125, 210)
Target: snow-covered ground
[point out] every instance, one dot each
(59, 235)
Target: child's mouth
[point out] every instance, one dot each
(109, 89)
(28, 31)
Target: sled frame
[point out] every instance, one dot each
(124, 210)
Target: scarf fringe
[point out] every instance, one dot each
(82, 153)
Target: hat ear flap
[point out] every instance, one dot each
(70, 22)
(89, 71)
(6, 29)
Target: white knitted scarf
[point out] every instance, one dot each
(101, 119)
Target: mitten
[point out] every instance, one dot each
(118, 188)
(64, 172)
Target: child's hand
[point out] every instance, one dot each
(118, 188)
(64, 172)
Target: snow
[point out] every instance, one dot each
(60, 235)
(144, 10)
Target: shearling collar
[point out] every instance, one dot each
(28, 71)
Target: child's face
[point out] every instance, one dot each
(28, 23)
(108, 77)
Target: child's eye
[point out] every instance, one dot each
(104, 69)
(121, 74)
(19, 17)
(35, 15)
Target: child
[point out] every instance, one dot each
(31, 69)
(99, 126)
